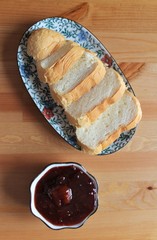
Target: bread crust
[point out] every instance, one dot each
(42, 71)
(104, 144)
(59, 69)
(42, 42)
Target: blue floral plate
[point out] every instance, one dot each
(40, 91)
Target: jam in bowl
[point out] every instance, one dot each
(64, 195)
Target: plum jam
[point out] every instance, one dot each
(66, 195)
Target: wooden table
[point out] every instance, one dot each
(128, 178)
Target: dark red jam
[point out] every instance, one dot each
(66, 195)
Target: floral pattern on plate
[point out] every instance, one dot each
(40, 92)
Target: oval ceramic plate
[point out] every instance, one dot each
(40, 91)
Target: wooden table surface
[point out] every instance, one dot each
(127, 179)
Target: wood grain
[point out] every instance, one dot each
(131, 70)
(127, 179)
(77, 13)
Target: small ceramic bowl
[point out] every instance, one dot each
(64, 195)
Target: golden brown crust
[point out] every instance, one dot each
(104, 144)
(59, 69)
(42, 42)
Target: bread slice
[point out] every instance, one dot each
(42, 42)
(86, 109)
(61, 49)
(87, 72)
(63, 65)
(123, 115)
(46, 65)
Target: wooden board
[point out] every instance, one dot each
(127, 179)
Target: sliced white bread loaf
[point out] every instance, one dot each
(87, 108)
(123, 115)
(95, 101)
(87, 72)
